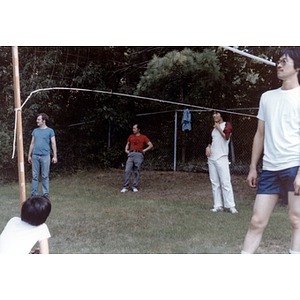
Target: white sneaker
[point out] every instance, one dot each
(135, 190)
(124, 190)
(233, 210)
(217, 209)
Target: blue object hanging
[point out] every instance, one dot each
(186, 120)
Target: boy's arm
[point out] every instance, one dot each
(44, 246)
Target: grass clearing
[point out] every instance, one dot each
(170, 214)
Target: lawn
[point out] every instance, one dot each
(169, 214)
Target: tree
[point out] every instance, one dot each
(186, 76)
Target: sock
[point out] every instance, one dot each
(244, 252)
(293, 252)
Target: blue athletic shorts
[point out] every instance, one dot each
(277, 182)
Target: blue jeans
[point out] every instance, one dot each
(40, 162)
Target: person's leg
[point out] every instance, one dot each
(215, 183)
(138, 161)
(263, 207)
(35, 174)
(287, 178)
(45, 168)
(128, 171)
(224, 173)
(294, 216)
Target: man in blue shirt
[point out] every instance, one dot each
(39, 154)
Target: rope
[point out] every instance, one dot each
(116, 94)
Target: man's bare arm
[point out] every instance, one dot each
(257, 150)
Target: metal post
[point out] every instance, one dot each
(109, 130)
(21, 169)
(175, 141)
(231, 145)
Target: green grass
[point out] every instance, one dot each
(170, 214)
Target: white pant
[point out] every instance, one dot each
(219, 175)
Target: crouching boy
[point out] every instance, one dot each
(21, 234)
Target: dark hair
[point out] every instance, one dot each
(294, 54)
(138, 126)
(220, 110)
(44, 117)
(35, 210)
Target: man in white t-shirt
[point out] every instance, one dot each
(218, 164)
(278, 139)
(21, 234)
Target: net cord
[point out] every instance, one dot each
(115, 94)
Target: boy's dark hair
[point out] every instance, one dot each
(138, 126)
(35, 210)
(294, 54)
(44, 117)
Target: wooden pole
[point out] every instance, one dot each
(175, 141)
(21, 169)
(250, 55)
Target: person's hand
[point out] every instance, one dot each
(29, 159)
(297, 185)
(54, 160)
(217, 126)
(208, 151)
(127, 152)
(252, 178)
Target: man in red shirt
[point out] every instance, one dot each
(136, 152)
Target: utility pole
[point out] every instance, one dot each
(17, 94)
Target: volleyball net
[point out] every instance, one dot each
(100, 140)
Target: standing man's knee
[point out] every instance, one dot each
(294, 220)
(257, 223)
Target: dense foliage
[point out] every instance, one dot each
(92, 128)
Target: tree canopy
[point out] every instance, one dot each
(186, 76)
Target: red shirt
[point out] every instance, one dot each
(137, 142)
